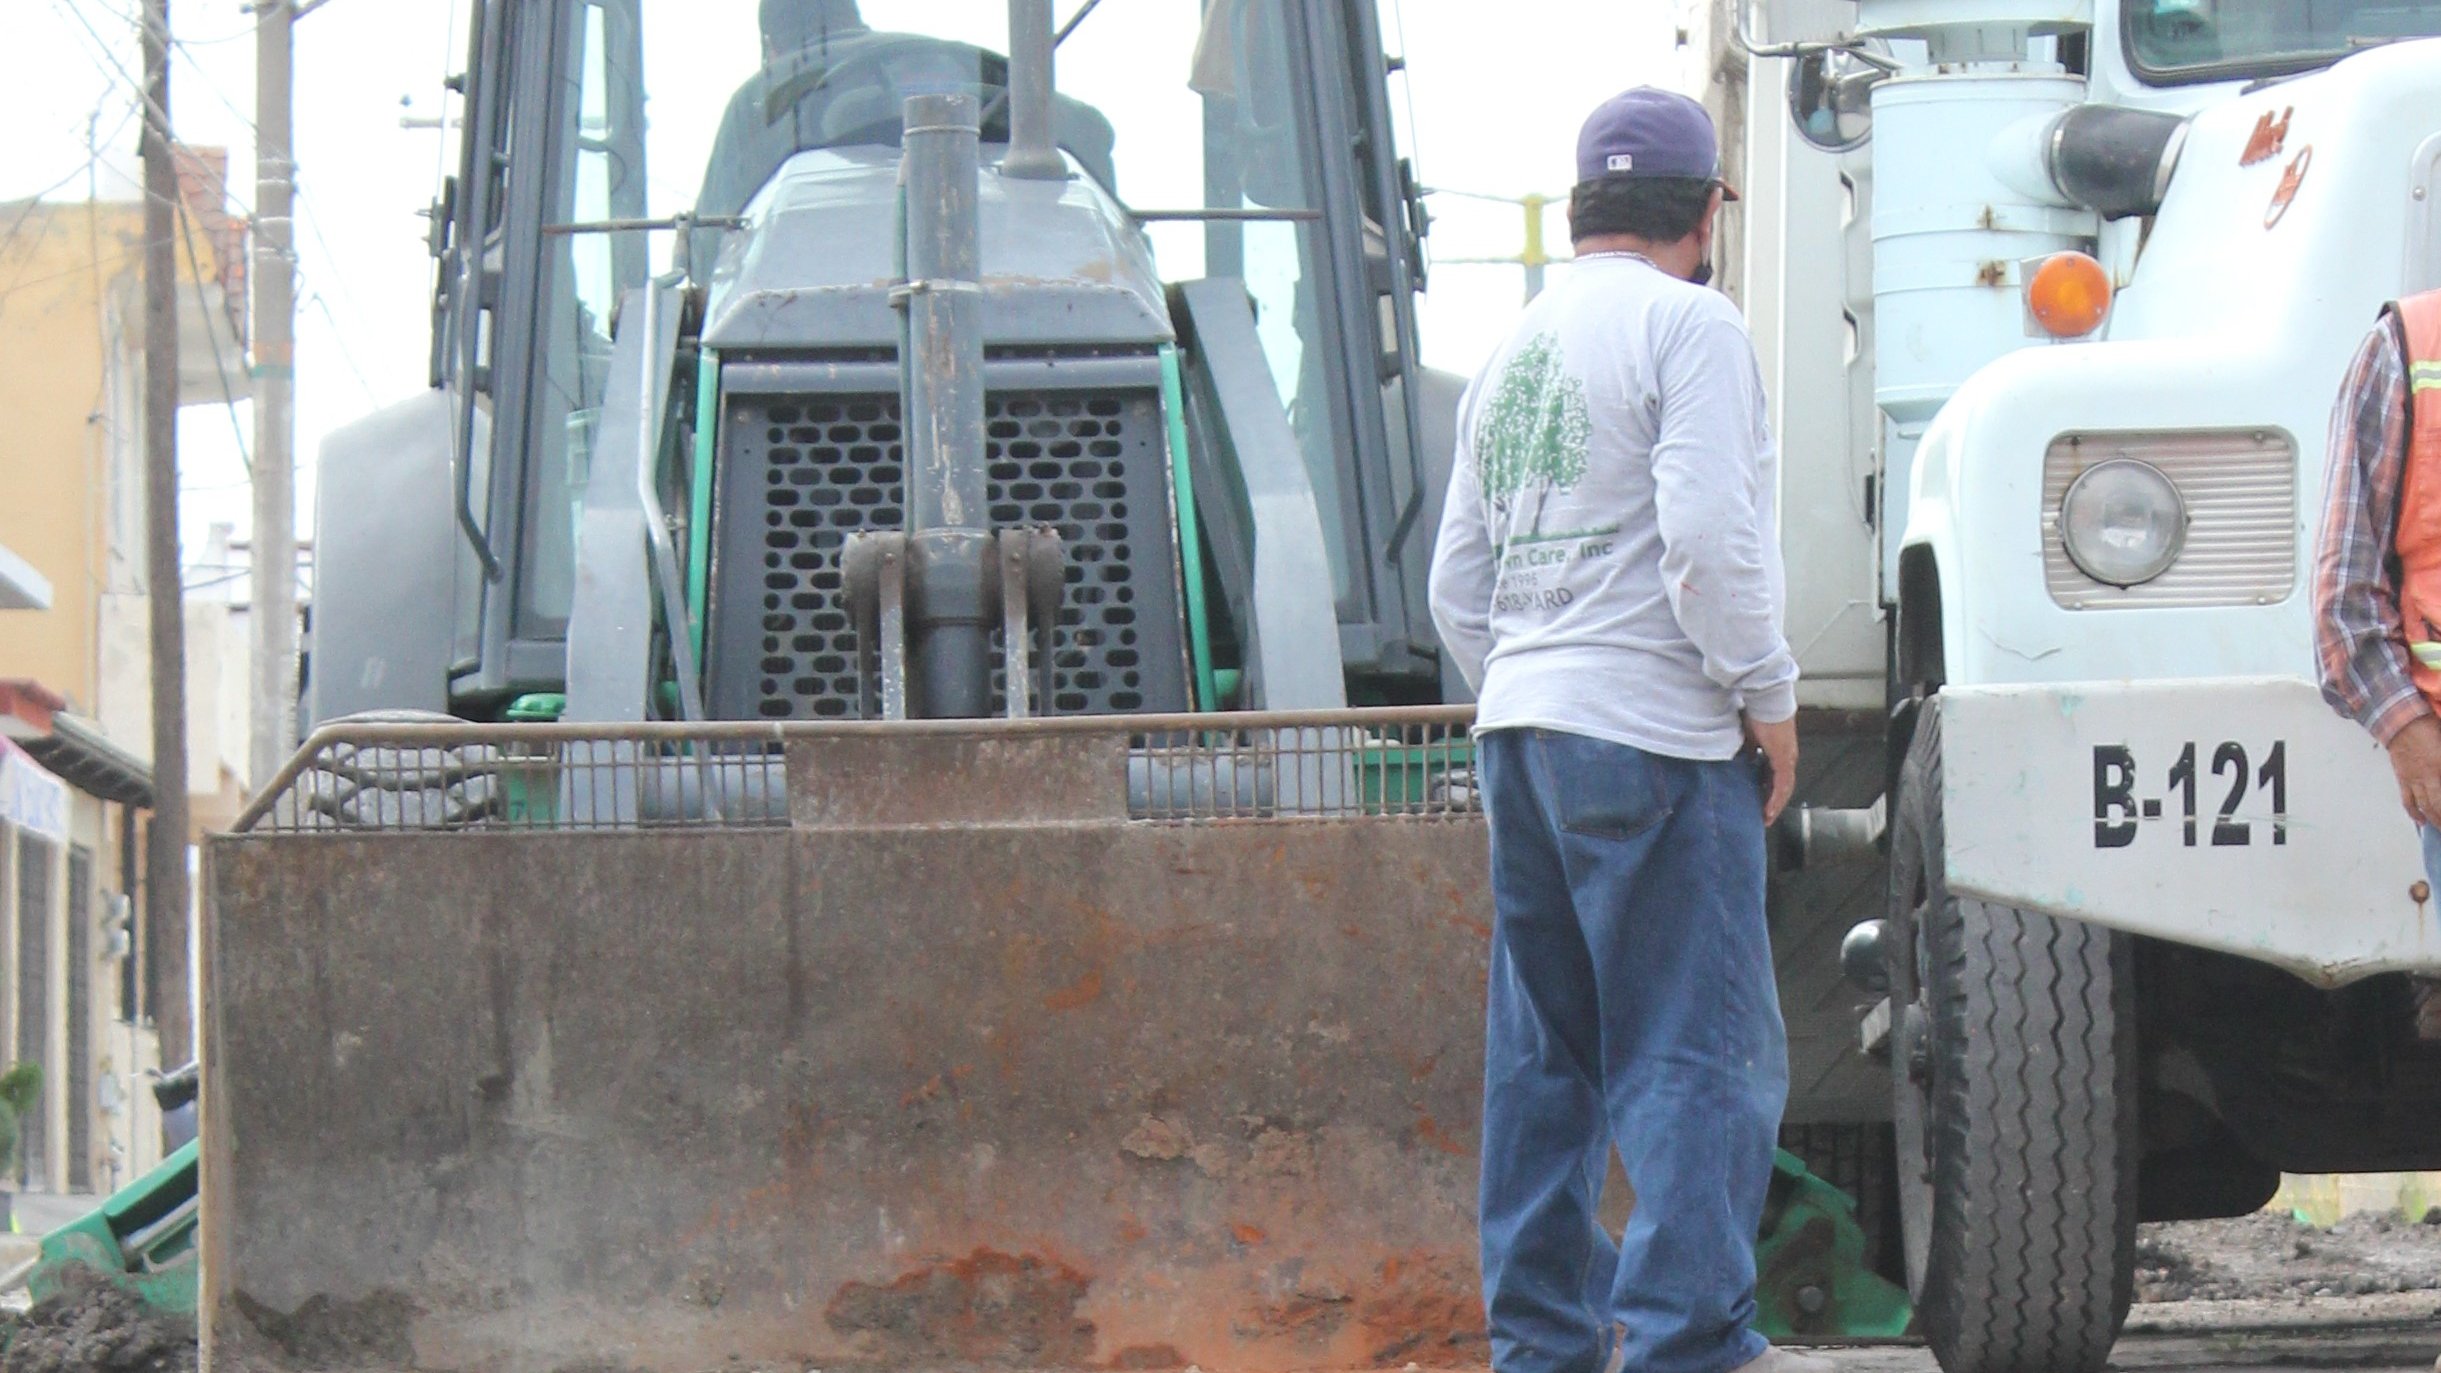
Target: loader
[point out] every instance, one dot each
(880, 792)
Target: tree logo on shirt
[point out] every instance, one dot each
(1534, 431)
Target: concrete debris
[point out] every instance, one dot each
(2272, 1256)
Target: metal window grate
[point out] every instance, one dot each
(80, 1020)
(1391, 764)
(34, 1002)
(807, 471)
(2241, 492)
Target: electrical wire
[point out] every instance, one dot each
(220, 365)
(79, 269)
(347, 355)
(312, 219)
(144, 101)
(32, 202)
(94, 155)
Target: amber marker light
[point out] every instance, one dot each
(2069, 294)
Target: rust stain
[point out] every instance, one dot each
(1279, 1153)
(1472, 924)
(1131, 1230)
(1992, 273)
(1159, 1138)
(1309, 1317)
(1425, 1310)
(930, 1089)
(988, 1308)
(1248, 1234)
(1083, 992)
(1430, 1131)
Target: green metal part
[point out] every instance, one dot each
(537, 708)
(1190, 533)
(699, 518)
(1396, 777)
(1811, 1274)
(142, 1237)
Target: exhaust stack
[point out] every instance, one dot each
(1033, 152)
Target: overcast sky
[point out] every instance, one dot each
(1489, 103)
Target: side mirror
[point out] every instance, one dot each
(1830, 96)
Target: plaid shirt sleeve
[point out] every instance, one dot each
(2358, 643)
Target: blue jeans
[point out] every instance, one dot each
(2432, 854)
(1631, 1001)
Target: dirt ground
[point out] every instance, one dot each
(2270, 1256)
(96, 1328)
(2260, 1291)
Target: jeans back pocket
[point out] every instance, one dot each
(1606, 790)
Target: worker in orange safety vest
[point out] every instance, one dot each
(2377, 572)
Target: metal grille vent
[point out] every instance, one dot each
(2241, 492)
(1081, 462)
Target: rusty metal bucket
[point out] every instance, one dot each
(1054, 1045)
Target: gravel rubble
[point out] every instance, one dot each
(2273, 1256)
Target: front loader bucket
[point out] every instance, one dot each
(1115, 1044)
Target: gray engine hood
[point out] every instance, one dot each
(1062, 262)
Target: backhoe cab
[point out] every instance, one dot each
(1198, 368)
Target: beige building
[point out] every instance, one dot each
(75, 687)
(73, 999)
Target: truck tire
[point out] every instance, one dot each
(2013, 1037)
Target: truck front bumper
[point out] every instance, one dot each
(2237, 814)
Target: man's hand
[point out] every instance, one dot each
(2415, 755)
(1779, 745)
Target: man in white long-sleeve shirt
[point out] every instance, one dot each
(1608, 578)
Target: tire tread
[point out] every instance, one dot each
(2032, 1121)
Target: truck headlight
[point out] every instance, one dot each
(2123, 522)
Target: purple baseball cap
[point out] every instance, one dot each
(1650, 132)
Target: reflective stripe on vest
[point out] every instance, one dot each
(2418, 320)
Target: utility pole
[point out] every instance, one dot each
(165, 884)
(1536, 257)
(273, 619)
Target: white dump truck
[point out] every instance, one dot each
(2054, 298)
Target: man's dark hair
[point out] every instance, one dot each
(792, 24)
(1657, 209)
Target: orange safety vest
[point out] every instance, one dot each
(2418, 319)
